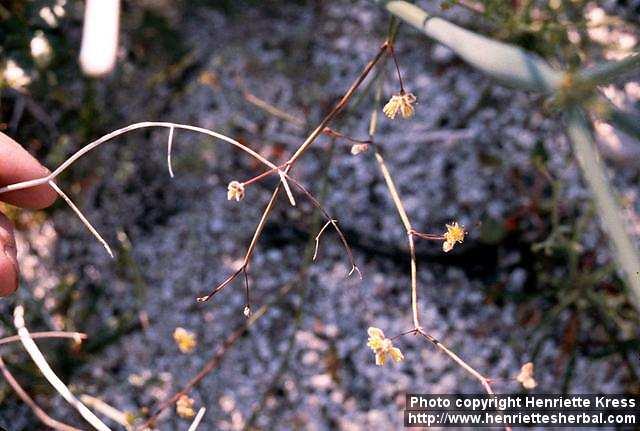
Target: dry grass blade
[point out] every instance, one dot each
(40, 361)
(40, 414)
(269, 108)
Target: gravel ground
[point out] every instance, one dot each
(176, 239)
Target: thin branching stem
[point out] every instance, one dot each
(427, 236)
(42, 364)
(284, 174)
(458, 360)
(82, 218)
(317, 238)
(169, 146)
(218, 355)
(334, 133)
(40, 414)
(197, 419)
(106, 410)
(395, 61)
(46, 334)
(333, 222)
(147, 124)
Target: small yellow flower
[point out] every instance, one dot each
(186, 340)
(402, 102)
(184, 407)
(382, 346)
(235, 190)
(455, 233)
(525, 377)
(359, 148)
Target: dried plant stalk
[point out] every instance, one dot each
(47, 334)
(82, 218)
(197, 419)
(40, 361)
(40, 414)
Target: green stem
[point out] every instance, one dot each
(608, 72)
(506, 63)
(610, 213)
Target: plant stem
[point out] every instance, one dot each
(594, 174)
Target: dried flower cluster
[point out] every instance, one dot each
(185, 339)
(525, 377)
(455, 233)
(401, 102)
(382, 346)
(235, 190)
(184, 407)
(359, 148)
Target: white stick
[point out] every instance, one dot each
(83, 219)
(169, 145)
(197, 419)
(40, 361)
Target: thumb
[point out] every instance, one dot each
(9, 274)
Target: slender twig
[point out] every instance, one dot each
(393, 191)
(326, 225)
(427, 236)
(269, 108)
(247, 307)
(89, 147)
(40, 414)
(218, 355)
(334, 133)
(290, 163)
(333, 222)
(46, 334)
(483, 380)
(40, 361)
(395, 61)
(82, 218)
(197, 419)
(107, 410)
(146, 124)
(169, 145)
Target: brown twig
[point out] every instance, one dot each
(395, 61)
(427, 236)
(292, 160)
(330, 220)
(276, 112)
(47, 334)
(40, 414)
(334, 133)
(268, 107)
(217, 357)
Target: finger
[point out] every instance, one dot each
(17, 165)
(9, 274)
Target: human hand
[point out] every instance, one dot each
(16, 165)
